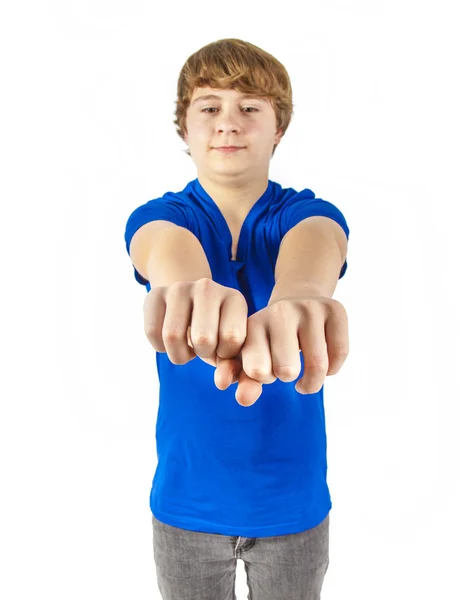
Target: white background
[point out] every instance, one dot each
(88, 92)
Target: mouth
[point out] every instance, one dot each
(229, 148)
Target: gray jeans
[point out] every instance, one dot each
(192, 565)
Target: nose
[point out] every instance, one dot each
(228, 121)
(230, 128)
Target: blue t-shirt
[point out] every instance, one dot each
(252, 471)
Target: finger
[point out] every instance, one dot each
(176, 321)
(154, 313)
(248, 390)
(227, 372)
(284, 344)
(232, 325)
(256, 357)
(204, 326)
(311, 336)
(337, 337)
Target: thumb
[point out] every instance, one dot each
(227, 371)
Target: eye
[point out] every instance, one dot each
(214, 108)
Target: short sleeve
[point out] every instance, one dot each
(305, 204)
(167, 208)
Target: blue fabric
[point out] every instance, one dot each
(254, 471)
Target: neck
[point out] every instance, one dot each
(235, 197)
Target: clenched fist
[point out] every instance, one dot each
(205, 319)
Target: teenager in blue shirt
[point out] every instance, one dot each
(240, 274)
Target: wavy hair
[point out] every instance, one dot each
(235, 64)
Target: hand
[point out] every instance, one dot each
(317, 326)
(200, 318)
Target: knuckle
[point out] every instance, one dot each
(203, 339)
(341, 351)
(152, 296)
(152, 330)
(204, 284)
(177, 285)
(281, 306)
(172, 335)
(286, 371)
(238, 294)
(337, 305)
(153, 334)
(155, 339)
(232, 336)
(315, 362)
(258, 373)
(178, 289)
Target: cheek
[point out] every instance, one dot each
(201, 128)
(257, 129)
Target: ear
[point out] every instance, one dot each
(278, 136)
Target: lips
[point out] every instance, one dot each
(231, 150)
(227, 149)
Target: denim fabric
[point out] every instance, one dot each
(192, 565)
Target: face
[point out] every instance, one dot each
(230, 119)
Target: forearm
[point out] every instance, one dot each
(177, 255)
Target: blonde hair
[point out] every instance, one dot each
(234, 64)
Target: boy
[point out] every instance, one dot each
(240, 273)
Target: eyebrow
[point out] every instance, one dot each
(214, 97)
